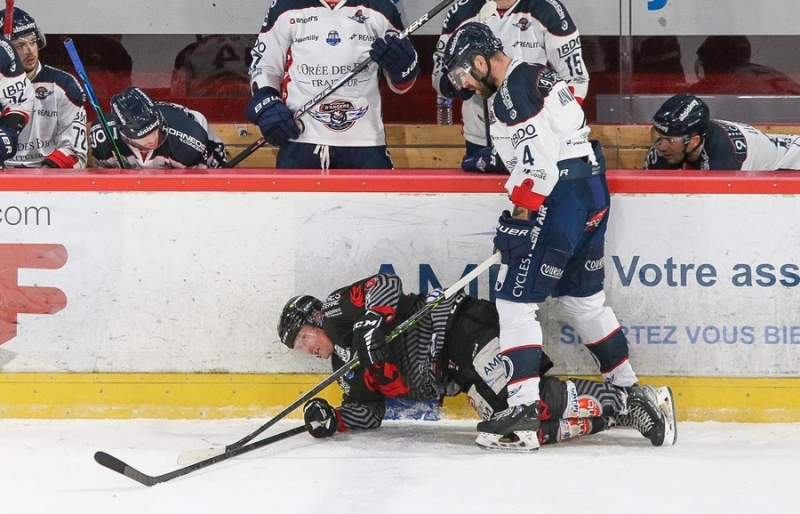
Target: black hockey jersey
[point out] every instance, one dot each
(190, 143)
(418, 354)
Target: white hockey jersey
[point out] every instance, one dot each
(57, 130)
(537, 31)
(16, 92)
(738, 146)
(538, 123)
(306, 45)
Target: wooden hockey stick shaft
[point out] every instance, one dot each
(247, 152)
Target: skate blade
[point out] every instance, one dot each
(666, 403)
(522, 441)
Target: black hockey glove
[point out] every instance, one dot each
(274, 119)
(8, 143)
(215, 155)
(486, 160)
(320, 410)
(448, 90)
(397, 57)
(513, 239)
(369, 339)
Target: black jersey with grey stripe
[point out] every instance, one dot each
(416, 353)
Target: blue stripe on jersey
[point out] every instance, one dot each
(384, 7)
(64, 80)
(550, 13)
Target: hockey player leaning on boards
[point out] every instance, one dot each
(155, 135)
(56, 135)
(554, 243)
(453, 350)
(684, 137)
(538, 31)
(306, 46)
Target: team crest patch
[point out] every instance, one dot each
(339, 115)
(523, 24)
(595, 219)
(42, 92)
(333, 38)
(359, 17)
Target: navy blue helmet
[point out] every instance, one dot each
(682, 115)
(24, 24)
(469, 40)
(136, 116)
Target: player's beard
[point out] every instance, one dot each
(485, 87)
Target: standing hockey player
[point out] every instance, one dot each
(553, 243)
(306, 46)
(684, 137)
(155, 135)
(56, 135)
(536, 31)
(453, 350)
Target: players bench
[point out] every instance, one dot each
(442, 146)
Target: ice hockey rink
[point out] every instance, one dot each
(47, 466)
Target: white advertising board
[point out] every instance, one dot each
(705, 285)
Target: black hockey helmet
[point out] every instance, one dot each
(24, 24)
(298, 311)
(682, 115)
(136, 117)
(469, 40)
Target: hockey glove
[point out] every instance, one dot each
(513, 239)
(486, 160)
(386, 379)
(274, 119)
(215, 156)
(8, 143)
(369, 339)
(397, 57)
(434, 295)
(320, 410)
(447, 89)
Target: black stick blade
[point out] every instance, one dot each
(114, 464)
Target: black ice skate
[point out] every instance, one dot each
(646, 415)
(514, 429)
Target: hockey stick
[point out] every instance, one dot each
(8, 23)
(114, 464)
(488, 10)
(205, 453)
(247, 152)
(76, 62)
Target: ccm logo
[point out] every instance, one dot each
(16, 299)
(365, 323)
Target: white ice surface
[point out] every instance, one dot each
(47, 467)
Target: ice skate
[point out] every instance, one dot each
(515, 429)
(667, 405)
(644, 414)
